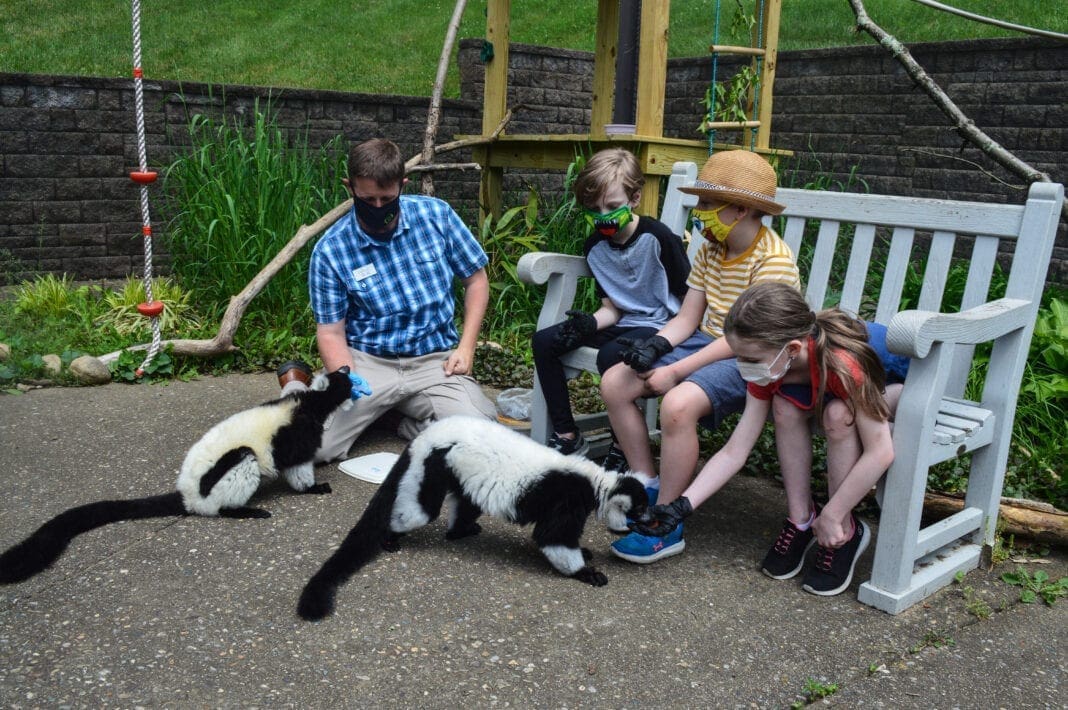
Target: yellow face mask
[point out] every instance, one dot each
(710, 225)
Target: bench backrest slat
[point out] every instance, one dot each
(857, 271)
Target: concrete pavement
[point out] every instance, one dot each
(191, 611)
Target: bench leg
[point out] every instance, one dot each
(911, 564)
(539, 415)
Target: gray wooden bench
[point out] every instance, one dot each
(862, 247)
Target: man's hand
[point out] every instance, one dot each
(579, 326)
(459, 362)
(360, 388)
(641, 354)
(661, 520)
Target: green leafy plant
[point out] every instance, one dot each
(814, 690)
(124, 368)
(1036, 586)
(237, 195)
(45, 296)
(973, 603)
(730, 101)
(933, 639)
(122, 314)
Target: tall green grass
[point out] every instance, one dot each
(393, 47)
(237, 196)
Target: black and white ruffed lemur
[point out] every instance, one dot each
(219, 475)
(477, 466)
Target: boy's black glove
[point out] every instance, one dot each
(662, 519)
(579, 326)
(641, 354)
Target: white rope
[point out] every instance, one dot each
(991, 21)
(142, 154)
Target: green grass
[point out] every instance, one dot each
(393, 47)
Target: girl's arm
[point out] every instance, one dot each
(729, 460)
(832, 526)
(663, 518)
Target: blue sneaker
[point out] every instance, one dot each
(643, 549)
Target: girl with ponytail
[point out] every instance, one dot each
(827, 368)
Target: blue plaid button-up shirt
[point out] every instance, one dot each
(395, 297)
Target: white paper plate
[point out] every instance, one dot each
(372, 468)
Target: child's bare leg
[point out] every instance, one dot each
(843, 443)
(793, 443)
(620, 386)
(683, 405)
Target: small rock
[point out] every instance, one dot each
(89, 370)
(5, 351)
(52, 364)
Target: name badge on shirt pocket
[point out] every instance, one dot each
(364, 272)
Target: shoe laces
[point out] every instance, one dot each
(824, 558)
(785, 539)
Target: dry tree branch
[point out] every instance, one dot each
(964, 126)
(433, 116)
(974, 164)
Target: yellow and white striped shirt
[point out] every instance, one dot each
(767, 259)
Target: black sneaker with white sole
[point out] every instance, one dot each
(569, 447)
(614, 460)
(832, 570)
(787, 555)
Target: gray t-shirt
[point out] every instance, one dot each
(645, 277)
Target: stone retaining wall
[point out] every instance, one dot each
(67, 143)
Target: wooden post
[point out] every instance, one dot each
(495, 101)
(652, 81)
(604, 66)
(772, 11)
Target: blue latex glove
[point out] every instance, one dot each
(360, 388)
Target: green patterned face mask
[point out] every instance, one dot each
(607, 224)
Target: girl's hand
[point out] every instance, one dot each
(662, 519)
(830, 532)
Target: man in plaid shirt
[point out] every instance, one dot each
(381, 285)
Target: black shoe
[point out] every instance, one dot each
(787, 555)
(294, 370)
(614, 460)
(569, 447)
(833, 569)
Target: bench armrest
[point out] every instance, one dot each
(537, 266)
(562, 273)
(912, 333)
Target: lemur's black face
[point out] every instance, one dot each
(628, 499)
(640, 499)
(338, 384)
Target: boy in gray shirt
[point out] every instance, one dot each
(640, 269)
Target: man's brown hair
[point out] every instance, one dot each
(379, 159)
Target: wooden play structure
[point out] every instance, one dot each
(656, 153)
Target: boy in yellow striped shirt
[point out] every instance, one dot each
(688, 361)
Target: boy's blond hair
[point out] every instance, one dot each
(607, 167)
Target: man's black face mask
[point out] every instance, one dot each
(377, 219)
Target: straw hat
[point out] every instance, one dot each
(740, 178)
